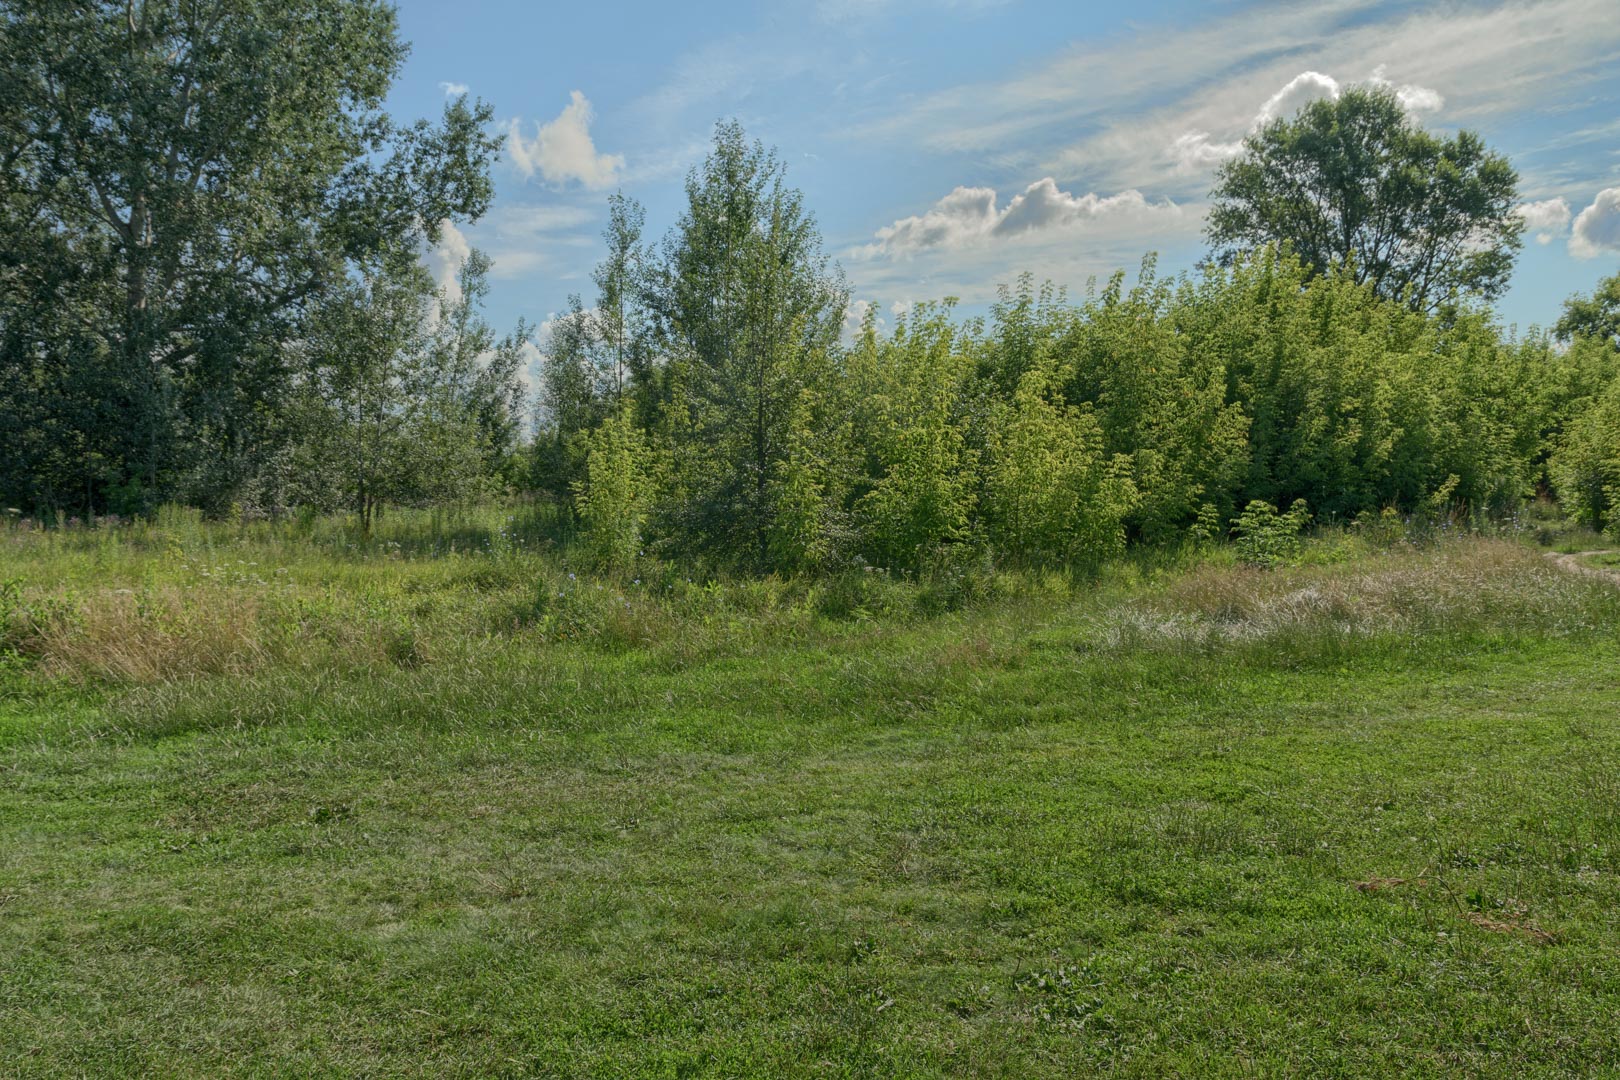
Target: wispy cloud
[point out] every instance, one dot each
(523, 239)
(1140, 103)
(454, 89)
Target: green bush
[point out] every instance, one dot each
(1267, 539)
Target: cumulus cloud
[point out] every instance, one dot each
(1546, 219)
(1300, 91)
(444, 259)
(1197, 150)
(855, 316)
(453, 89)
(1416, 99)
(563, 150)
(970, 216)
(1597, 228)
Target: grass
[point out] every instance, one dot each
(292, 805)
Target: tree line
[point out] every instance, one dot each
(211, 292)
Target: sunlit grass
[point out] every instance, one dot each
(293, 804)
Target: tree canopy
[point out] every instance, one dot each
(1357, 182)
(182, 181)
(1595, 316)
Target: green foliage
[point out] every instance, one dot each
(388, 410)
(1156, 377)
(613, 495)
(1051, 494)
(1586, 465)
(182, 182)
(1355, 183)
(1595, 317)
(1267, 539)
(750, 309)
(811, 529)
(922, 472)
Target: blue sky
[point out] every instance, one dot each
(946, 146)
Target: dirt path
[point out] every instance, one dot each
(1573, 564)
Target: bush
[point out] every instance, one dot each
(1268, 539)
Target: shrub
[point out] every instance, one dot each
(613, 496)
(1268, 539)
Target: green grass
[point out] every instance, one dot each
(1355, 818)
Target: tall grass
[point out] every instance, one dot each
(178, 598)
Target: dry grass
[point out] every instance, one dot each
(176, 617)
(120, 635)
(1458, 585)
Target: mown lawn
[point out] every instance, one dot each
(1034, 837)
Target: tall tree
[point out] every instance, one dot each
(621, 283)
(1356, 181)
(752, 309)
(178, 177)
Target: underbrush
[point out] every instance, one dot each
(175, 599)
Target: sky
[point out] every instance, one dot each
(945, 146)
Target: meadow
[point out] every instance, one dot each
(281, 801)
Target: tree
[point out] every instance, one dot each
(621, 282)
(382, 413)
(1357, 182)
(595, 358)
(922, 472)
(1596, 316)
(749, 306)
(479, 373)
(183, 178)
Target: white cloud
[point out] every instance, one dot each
(1597, 228)
(1546, 219)
(444, 259)
(454, 89)
(529, 370)
(522, 239)
(1416, 99)
(855, 319)
(1113, 111)
(1300, 91)
(969, 217)
(562, 150)
(1195, 151)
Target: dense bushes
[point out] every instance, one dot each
(1586, 466)
(1055, 432)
